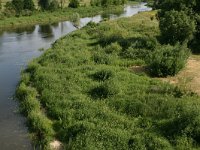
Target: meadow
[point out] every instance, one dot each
(83, 92)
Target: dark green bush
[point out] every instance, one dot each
(105, 90)
(106, 3)
(141, 48)
(18, 5)
(29, 5)
(168, 60)
(74, 3)
(176, 26)
(44, 4)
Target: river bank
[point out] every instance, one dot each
(56, 16)
(82, 92)
(19, 46)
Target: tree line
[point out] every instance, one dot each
(27, 7)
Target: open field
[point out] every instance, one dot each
(82, 93)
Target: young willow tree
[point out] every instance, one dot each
(180, 21)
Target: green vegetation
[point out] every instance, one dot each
(51, 17)
(179, 22)
(83, 93)
(74, 3)
(28, 12)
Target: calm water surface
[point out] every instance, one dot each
(17, 47)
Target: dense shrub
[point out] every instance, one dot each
(105, 90)
(29, 5)
(9, 10)
(74, 3)
(54, 5)
(176, 26)
(44, 4)
(141, 48)
(168, 60)
(180, 19)
(18, 5)
(106, 3)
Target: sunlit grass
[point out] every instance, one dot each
(84, 89)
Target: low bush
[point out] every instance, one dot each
(74, 3)
(168, 60)
(105, 90)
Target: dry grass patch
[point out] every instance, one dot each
(189, 77)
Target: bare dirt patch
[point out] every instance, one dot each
(189, 77)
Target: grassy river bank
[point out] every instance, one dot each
(83, 92)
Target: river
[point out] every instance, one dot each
(17, 48)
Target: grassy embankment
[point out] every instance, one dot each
(83, 92)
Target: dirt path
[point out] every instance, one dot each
(189, 77)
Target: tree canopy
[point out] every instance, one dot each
(180, 21)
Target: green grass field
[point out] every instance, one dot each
(83, 93)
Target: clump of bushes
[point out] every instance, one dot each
(176, 26)
(106, 3)
(19, 7)
(168, 60)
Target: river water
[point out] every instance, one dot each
(19, 46)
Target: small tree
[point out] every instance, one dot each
(74, 4)
(29, 4)
(168, 60)
(176, 26)
(18, 5)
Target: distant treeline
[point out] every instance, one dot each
(107, 2)
(27, 7)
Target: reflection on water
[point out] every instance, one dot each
(55, 24)
(17, 47)
(46, 31)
